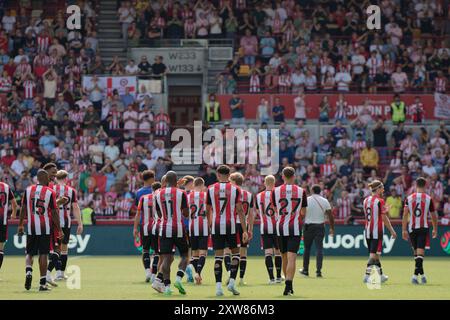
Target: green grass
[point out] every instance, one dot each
(123, 278)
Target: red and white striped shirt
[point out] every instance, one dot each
(6, 126)
(266, 213)
(29, 123)
(374, 209)
(39, 202)
(43, 43)
(255, 83)
(419, 205)
(189, 28)
(29, 87)
(6, 196)
(440, 84)
(65, 210)
(388, 66)
(247, 203)
(147, 209)
(374, 66)
(327, 169)
(114, 121)
(198, 223)
(223, 198)
(18, 135)
(162, 124)
(284, 80)
(289, 200)
(344, 207)
(170, 203)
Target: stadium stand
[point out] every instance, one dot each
(280, 47)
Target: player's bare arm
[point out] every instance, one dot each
(405, 223)
(55, 219)
(251, 220)
(137, 218)
(434, 222)
(77, 214)
(13, 208)
(303, 212)
(20, 228)
(240, 212)
(388, 224)
(330, 216)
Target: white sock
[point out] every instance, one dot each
(231, 284)
(218, 285)
(49, 274)
(178, 279)
(148, 271)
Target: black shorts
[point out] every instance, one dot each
(167, 245)
(289, 243)
(3, 232)
(66, 235)
(38, 244)
(374, 245)
(239, 233)
(269, 241)
(419, 238)
(154, 243)
(222, 241)
(199, 242)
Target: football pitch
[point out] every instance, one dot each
(122, 278)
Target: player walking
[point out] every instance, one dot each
(71, 205)
(187, 184)
(290, 202)
(198, 227)
(54, 260)
(171, 206)
(415, 225)
(223, 206)
(376, 218)
(6, 199)
(247, 205)
(39, 205)
(144, 220)
(267, 224)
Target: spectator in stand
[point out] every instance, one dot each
(369, 158)
(324, 109)
(159, 69)
(398, 110)
(399, 80)
(263, 111)
(237, 111)
(394, 204)
(278, 111)
(300, 108)
(131, 69)
(212, 109)
(127, 16)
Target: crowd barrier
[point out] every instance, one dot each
(111, 240)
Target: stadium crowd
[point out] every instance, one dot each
(48, 116)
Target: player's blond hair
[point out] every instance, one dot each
(199, 182)
(269, 180)
(237, 178)
(61, 175)
(375, 185)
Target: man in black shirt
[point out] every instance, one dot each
(144, 66)
(379, 139)
(399, 135)
(159, 68)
